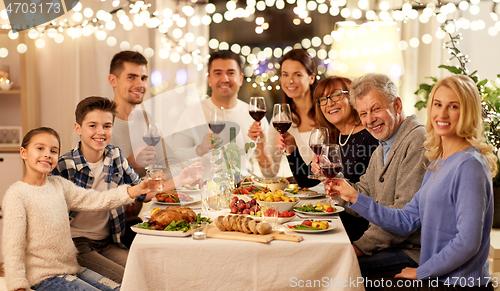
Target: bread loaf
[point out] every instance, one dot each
(219, 223)
(264, 228)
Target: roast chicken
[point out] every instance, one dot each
(162, 218)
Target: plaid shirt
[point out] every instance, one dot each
(73, 166)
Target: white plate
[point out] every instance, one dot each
(281, 220)
(337, 210)
(330, 227)
(306, 195)
(176, 204)
(188, 191)
(137, 229)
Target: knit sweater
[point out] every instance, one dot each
(36, 235)
(454, 208)
(393, 184)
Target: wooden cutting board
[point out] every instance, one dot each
(214, 232)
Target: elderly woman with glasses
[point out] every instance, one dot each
(334, 112)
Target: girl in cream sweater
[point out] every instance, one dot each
(37, 247)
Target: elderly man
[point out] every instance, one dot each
(393, 176)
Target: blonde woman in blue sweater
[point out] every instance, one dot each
(454, 205)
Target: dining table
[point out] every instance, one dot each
(321, 261)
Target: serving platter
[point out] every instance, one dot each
(137, 229)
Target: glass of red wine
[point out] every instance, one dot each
(217, 120)
(282, 119)
(151, 136)
(257, 110)
(331, 163)
(319, 137)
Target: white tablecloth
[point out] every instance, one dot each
(323, 261)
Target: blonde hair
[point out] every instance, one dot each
(470, 122)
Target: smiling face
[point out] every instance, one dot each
(445, 112)
(339, 112)
(379, 117)
(225, 78)
(95, 133)
(131, 84)
(294, 79)
(41, 154)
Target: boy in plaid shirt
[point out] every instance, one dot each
(94, 164)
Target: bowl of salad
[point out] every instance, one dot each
(273, 184)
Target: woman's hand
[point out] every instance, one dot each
(256, 131)
(340, 188)
(315, 167)
(286, 140)
(408, 273)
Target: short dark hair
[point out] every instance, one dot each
(224, 55)
(27, 137)
(116, 66)
(94, 103)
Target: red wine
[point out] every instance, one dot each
(217, 127)
(316, 148)
(331, 171)
(151, 140)
(257, 115)
(282, 126)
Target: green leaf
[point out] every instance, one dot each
(482, 83)
(420, 105)
(425, 87)
(452, 69)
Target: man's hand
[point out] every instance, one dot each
(145, 156)
(205, 146)
(256, 131)
(340, 188)
(408, 273)
(286, 140)
(357, 251)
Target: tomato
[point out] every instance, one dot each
(291, 214)
(244, 191)
(330, 209)
(169, 200)
(307, 222)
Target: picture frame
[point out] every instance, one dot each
(10, 136)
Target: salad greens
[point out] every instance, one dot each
(308, 208)
(180, 225)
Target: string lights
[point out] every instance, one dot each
(260, 64)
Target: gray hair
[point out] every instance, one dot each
(373, 81)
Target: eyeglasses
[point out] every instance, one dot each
(335, 96)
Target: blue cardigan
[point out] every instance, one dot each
(454, 207)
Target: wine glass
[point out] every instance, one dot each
(318, 137)
(151, 136)
(217, 120)
(257, 110)
(331, 163)
(282, 119)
